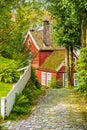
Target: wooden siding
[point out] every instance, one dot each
(38, 73)
(34, 51)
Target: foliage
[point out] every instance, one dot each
(67, 23)
(4, 88)
(82, 71)
(55, 83)
(67, 29)
(17, 17)
(21, 105)
(8, 70)
(34, 79)
(25, 101)
(81, 10)
(3, 128)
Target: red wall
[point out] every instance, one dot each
(38, 73)
(34, 52)
(43, 55)
(60, 74)
(38, 56)
(55, 75)
(60, 78)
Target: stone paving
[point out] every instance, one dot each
(54, 111)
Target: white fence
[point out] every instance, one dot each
(8, 102)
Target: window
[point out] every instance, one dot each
(49, 77)
(43, 78)
(75, 79)
(29, 42)
(64, 79)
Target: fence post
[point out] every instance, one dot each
(3, 107)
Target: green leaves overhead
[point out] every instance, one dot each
(17, 17)
(67, 22)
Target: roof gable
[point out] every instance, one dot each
(38, 37)
(35, 42)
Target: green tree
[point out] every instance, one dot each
(67, 29)
(17, 17)
(81, 10)
(82, 71)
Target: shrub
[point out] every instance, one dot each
(34, 79)
(82, 71)
(8, 70)
(27, 98)
(21, 105)
(55, 83)
(24, 102)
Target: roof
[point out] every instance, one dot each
(38, 37)
(54, 61)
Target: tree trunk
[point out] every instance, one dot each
(71, 64)
(86, 36)
(83, 29)
(68, 83)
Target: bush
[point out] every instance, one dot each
(27, 98)
(21, 105)
(34, 79)
(82, 71)
(55, 83)
(24, 102)
(8, 70)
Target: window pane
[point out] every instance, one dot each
(49, 77)
(75, 79)
(43, 78)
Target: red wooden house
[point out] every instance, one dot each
(49, 62)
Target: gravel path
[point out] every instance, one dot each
(59, 109)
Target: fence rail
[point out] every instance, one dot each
(6, 103)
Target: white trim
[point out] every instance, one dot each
(43, 78)
(59, 67)
(24, 68)
(64, 80)
(76, 54)
(32, 40)
(49, 77)
(75, 79)
(26, 37)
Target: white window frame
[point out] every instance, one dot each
(43, 78)
(64, 79)
(49, 78)
(75, 79)
(29, 42)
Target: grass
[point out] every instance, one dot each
(4, 89)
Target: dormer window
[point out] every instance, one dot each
(29, 42)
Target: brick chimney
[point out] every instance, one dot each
(46, 33)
